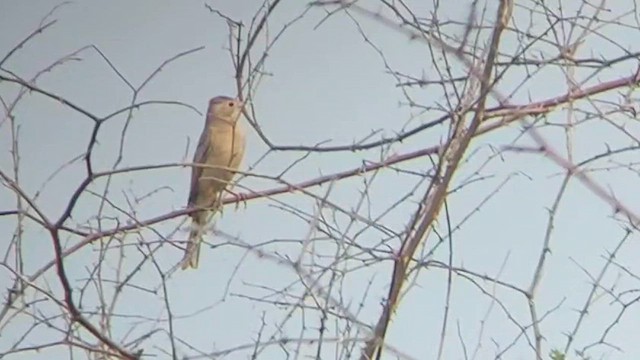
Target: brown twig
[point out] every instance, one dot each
(435, 195)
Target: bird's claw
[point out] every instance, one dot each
(240, 198)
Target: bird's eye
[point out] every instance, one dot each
(230, 104)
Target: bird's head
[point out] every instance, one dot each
(225, 107)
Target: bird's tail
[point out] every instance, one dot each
(192, 252)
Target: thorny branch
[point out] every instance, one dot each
(468, 114)
(450, 157)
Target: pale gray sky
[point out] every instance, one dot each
(323, 84)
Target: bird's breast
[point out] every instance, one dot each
(227, 144)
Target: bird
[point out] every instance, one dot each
(219, 154)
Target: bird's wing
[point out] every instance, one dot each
(199, 157)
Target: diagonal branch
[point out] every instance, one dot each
(435, 195)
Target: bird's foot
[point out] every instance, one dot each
(239, 198)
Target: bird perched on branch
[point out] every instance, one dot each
(219, 153)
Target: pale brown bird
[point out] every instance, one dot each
(220, 149)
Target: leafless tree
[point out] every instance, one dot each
(509, 84)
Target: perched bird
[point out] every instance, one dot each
(220, 151)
